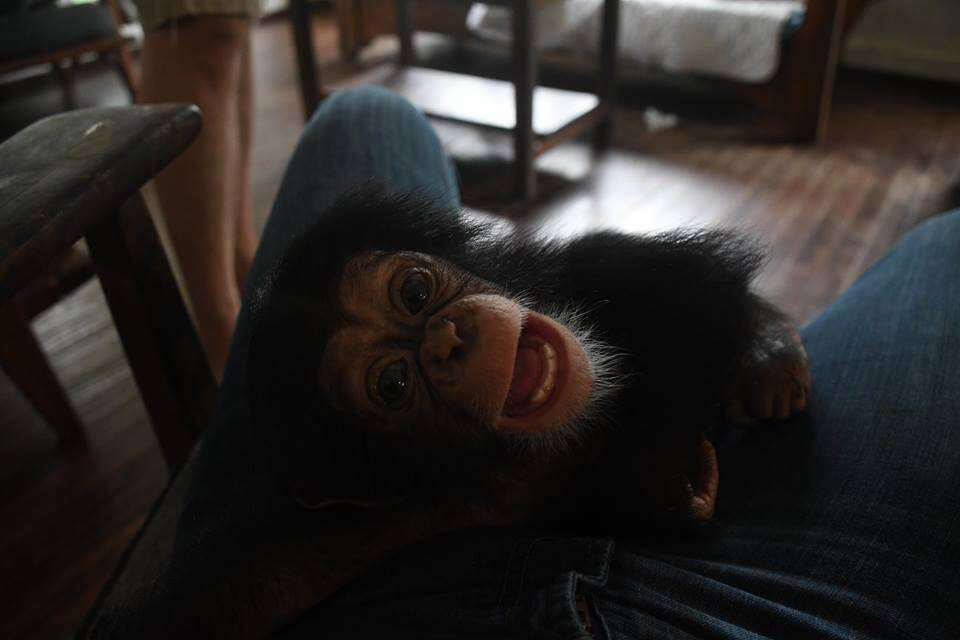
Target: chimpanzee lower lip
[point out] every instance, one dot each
(538, 335)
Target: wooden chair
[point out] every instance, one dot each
(36, 32)
(795, 103)
(77, 175)
(539, 118)
(33, 33)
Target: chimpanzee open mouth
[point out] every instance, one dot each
(536, 367)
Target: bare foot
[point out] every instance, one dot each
(243, 259)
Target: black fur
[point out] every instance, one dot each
(678, 306)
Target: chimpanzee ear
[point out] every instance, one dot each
(686, 466)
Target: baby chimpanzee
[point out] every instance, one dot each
(424, 361)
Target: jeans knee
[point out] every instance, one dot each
(948, 222)
(363, 104)
(943, 229)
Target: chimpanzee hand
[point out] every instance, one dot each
(772, 380)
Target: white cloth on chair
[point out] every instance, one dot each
(736, 39)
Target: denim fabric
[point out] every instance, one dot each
(357, 137)
(477, 584)
(236, 491)
(840, 524)
(231, 500)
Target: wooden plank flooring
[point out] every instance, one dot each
(892, 159)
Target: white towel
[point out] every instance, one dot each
(737, 39)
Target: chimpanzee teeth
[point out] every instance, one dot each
(548, 357)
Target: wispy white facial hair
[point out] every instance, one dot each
(607, 379)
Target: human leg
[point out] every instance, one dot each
(233, 495)
(245, 245)
(200, 60)
(843, 522)
(358, 137)
(238, 484)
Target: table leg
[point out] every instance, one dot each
(306, 57)
(606, 73)
(525, 81)
(405, 32)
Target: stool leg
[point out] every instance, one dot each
(525, 79)
(157, 335)
(26, 363)
(64, 72)
(606, 74)
(306, 58)
(125, 67)
(124, 58)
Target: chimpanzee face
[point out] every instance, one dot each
(424, 345)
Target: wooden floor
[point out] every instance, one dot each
(892, 160)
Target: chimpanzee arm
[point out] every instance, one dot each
(682, 305)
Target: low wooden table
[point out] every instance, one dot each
(540, 118)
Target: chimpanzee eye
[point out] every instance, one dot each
(415, 292)
(392, 384)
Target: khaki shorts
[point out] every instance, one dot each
(154, 13)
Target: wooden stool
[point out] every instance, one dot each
(77, 175)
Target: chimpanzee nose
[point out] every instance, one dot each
(441, 341)
(467, 351)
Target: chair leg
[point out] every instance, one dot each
(158, 337)
(525, 80)
(811, 70)
(123, 57)
(64, 73)
(26, 363)
(405, 33)
(306, 57)
(125, 66)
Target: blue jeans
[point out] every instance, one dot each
(358, 137)
(843, 523)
